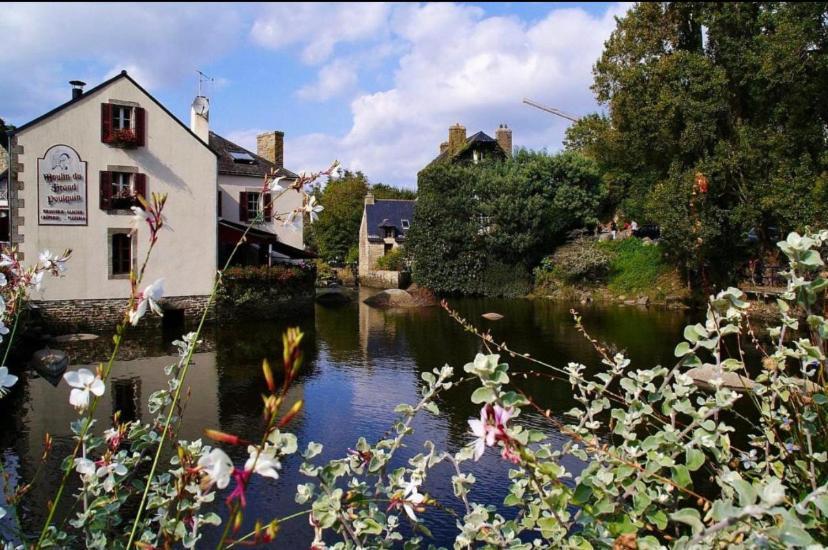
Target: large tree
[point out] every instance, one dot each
(735, 91)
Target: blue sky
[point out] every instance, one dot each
(373, 85)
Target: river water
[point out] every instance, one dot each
(360, 363)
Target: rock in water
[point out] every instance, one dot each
(50, 364)
(333, 296)
(393, 297)
(492, 316)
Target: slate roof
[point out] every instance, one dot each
(480, 138)
(388, 213)
(259, 168)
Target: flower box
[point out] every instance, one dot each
(126, 138)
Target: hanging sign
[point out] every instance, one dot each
(61, 187)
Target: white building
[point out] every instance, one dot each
(73, 176)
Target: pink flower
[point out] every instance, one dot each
(492, 428)
(241, 477)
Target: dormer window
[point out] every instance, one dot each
(123, 125)
(405, 224)
(389, 232)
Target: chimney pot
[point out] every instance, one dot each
(77, 88)
(271, 146)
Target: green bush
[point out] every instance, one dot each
(503, 280)
(580, 261)
(634, 266)
(352, 257)
(393, 261)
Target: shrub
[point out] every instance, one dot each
(580, 261)
(395, 260)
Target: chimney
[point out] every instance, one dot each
(443, 147)
(457, 138)
(504, 139)
(200, 118)
(271, 146)
(369, 198)
(77, 88)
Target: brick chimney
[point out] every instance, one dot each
(504, 139)
(369, 198)
(457, 138)
(443, 147)
(271, 146)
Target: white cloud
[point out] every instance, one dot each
(159, 44)
(334, 79)
(462, 66)
(319, 27)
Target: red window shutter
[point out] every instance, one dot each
(106, 190)
(106, 122)
(267, 206)
(141, 185)
(243, 207)
(140, 126)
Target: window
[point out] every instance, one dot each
(121, 117)
(389, 232)
(123, 125)
(242, 157)
(252, 205)
(121, 250)
(388, 248)
(119, 189)
(405, 224)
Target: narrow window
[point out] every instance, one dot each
(121, 253)
(252, 204)
(388, 248)
(389, 232)
(121, 117)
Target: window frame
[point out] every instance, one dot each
(118, 118)
(110, 245)
(253, 198)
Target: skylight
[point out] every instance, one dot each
(242, 157)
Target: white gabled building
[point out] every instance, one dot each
(73, 176)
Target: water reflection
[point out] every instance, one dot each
(360, 363)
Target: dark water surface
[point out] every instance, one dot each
(360, 363)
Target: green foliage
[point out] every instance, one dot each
(580, 261)
(395, 260)
(337, 231)
(634, 266)
(245, 285)
(473, 217)
(352, 257)
(746, 107)
(385, 191)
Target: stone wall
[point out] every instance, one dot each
(241, 300)
(385, 279)
(103, 315)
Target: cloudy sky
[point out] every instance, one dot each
(373, 85)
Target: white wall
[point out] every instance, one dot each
(174, 161)
(231, 186)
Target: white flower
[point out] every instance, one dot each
(412, 499)
(149, 297)
(6, 260)
(3, 281)
(49, 261)
(218, 467)
(139, 218)
(6, 380)
(279, 182)
(84, 382)
(266, 465)
(313, 209)
(37, 280)
(108, 472)
(2, 512)
(293, 221)
(84, 466)
(484, 433)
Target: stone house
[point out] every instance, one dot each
(74, 174)
(476, 148)
(385, 223)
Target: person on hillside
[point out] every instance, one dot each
(613, 229)
(633, 226)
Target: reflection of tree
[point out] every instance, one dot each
(240, 349)
(339, 329)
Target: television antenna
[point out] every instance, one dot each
(552, 110)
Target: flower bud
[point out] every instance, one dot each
(222, 437)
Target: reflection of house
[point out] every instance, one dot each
(385, 223)
(241, 175)
(477, 148)
(75, 173)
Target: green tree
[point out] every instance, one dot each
(385, 191)
(736, 91)
(337, 230)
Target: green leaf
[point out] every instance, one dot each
(691, 517)
(681, 475)
(682, 349)
(483, 394)
(581, 494)
(694, 459)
